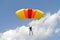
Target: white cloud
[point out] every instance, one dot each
(57, 30)
(42, 29)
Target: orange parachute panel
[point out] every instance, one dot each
(33, 13)
(26, 13)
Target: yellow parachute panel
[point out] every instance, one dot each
(39, 14)
(20, 14)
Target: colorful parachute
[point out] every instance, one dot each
(30, 13)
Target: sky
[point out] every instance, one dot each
(8, 19)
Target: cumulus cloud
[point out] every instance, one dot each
(42, 29)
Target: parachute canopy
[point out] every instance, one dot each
(30, 13)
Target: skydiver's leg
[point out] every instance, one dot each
(30, 32)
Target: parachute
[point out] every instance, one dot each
(29, 13)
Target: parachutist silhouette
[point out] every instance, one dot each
(30, 31)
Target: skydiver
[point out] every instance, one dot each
(30, 31)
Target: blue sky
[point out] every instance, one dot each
(8, 19)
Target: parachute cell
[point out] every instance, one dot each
(20, 14)
(39, 14)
